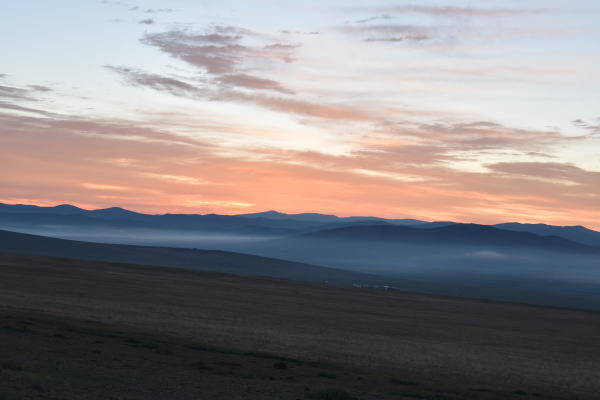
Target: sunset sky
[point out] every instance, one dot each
(478, 111)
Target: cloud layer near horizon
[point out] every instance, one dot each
(185, 175)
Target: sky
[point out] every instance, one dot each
(475, 111)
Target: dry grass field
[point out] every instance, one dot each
(73, 329)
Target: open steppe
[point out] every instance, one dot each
(72, 329)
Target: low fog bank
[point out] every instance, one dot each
(487, 272)
(431, 259)
(142, 236)
(522, 274)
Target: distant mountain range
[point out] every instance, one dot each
(577, 234)
(13, 216)
(328, 218)
(529, 263)
(268, 224)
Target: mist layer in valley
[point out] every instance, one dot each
(146, 236)
(442, 258)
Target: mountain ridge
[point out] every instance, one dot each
(454, 234)
(271, 222)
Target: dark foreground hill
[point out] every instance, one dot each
(73, 329)
(211, 260)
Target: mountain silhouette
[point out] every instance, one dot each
(455, 234)
(30, 218)
(578, 233)
(326, 218)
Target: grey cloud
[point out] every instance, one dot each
(288, 32)
(385, 28)
(373, 18)
(220, 53)
(151, 10)
(252, 82)
(301, 107)
(216, 53)
(11, 98)
(14, 93)
(236, 30)
(147, 21)
(391, 32)
(282, 46)
(158, 10)
(157, 82)
(478, 136)
(591, 127)
(224, 93)
(447, 32)
(15, 107)
(134, 8)
(40, 88)
(415, 38)
(463, 11)
(550, 171)
(90, 128)
(446, 142)
(447, 11)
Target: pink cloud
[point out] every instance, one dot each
(92, 163)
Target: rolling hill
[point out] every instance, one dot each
(578, 234)
(454, 271)
(453, 235)
(78, 329)
(209, 260)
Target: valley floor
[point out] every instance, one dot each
(73, 329)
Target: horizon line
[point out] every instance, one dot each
(290, 214)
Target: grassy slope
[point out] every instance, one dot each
(220, 261)
(432, 347)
